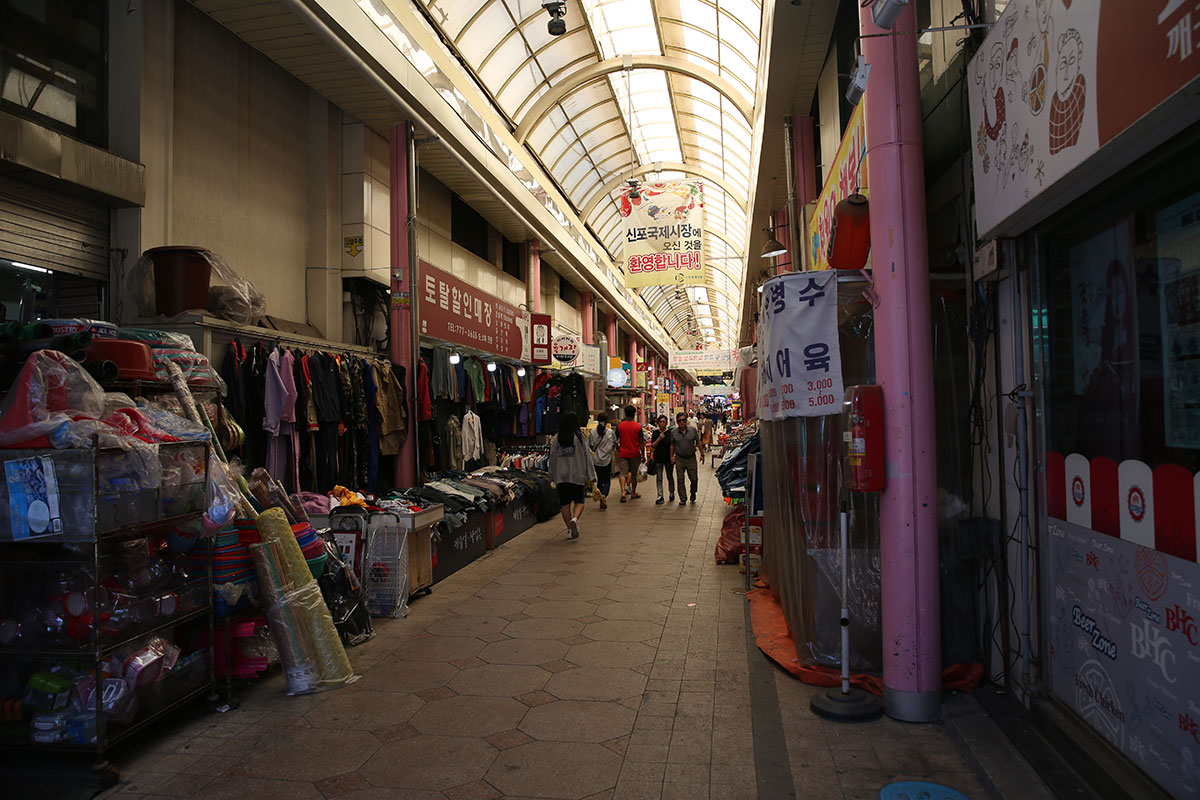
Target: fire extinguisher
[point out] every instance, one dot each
(864, 439)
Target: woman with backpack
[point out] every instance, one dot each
(571, 469)
(602, 441)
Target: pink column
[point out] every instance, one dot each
(633, 354)
(403, 297)
(588, 323)
(904, 367)
(533, 280)
(611, 332)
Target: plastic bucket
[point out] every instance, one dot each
(181, 279)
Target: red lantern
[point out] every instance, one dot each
(850, 234)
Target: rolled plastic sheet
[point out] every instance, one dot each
(295, 587)
(296, 653)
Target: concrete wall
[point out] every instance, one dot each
(242, 158)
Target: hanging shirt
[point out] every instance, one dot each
(424, 403)
(472, 437)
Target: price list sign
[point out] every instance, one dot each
(799, 363)
(457, 312)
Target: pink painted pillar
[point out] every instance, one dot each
(403, 296)
(533, 282)
(587, 314)
(904, 367)
(611, 332)
(633, 354)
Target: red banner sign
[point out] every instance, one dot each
(457, 312)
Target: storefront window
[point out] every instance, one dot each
(1123, 317)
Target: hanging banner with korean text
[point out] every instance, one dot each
(457, 312)
(717, 361)
(664, 234)
(800, 362)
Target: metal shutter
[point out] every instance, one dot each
(47, 229)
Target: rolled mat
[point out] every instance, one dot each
(287, 630)
(303, 596)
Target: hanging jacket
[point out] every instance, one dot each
(472, 437)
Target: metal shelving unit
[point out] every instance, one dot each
(85, 542)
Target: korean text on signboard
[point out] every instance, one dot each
(800, 362)
(848, 173)
(539, 326)
(717, 361)
(664, 234)
(457, 312)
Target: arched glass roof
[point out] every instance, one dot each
(636, 83)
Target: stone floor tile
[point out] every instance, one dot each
(506, 739)
(583, 591)
(476, 790)
(437, 693)
(687, 773)
(610, 654)
(642, 773)
(239, 788)
(487, 607)
(500, 592)
(340, 785)
(685, 791)
(364, 710)
(536, 698)
(654, 722)
(394, 733)
(596, 683)
(523, 651)
(547, 628)
(622, 630)
(407, 676)
(500, 680)
(647, 753)
(648, 612)
(638, 790)
(561, 609)
(739, 791)
(469, 715)
(304, 757)
(430, 762)
(555, 769)
(578, 721)
(442, 648)
(524, 578)
(466, 626)
(392, 793)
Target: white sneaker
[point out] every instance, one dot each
(572, 530)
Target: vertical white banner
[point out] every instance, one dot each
(799, 360)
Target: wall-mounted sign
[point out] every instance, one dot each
(1053, 84)
(849, 172)
(539, 335)
(664, 234)
(716, 360)
(565, 348)
(457, 312)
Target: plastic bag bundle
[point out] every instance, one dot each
(230, 296)
(306, 629)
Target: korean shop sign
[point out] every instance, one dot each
(1054, 83)
(716, 361)
(539, 334)
(848, 173)
(454, 311)
(664, 234)
(800, 363)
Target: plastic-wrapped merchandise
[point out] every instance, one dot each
(173, 425)
(51, 391)
(230, 296)
(196, 369)
(309, 646)
(159, 340)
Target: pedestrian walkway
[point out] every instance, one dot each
(616, 666)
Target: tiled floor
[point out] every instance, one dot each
(611, 667)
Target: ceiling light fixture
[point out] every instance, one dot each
(455, 357)
(521, 372)
(772, 247)
(858, 81)
(491, 366)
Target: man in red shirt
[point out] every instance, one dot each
(630, 444)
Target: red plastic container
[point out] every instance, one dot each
(181, 279)
(132, 358)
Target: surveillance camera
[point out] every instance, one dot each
(557, 9)
(858, 81)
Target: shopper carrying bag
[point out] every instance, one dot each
(571, 469)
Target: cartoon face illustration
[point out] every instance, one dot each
(1070, 54)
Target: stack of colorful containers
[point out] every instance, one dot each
(312, 547)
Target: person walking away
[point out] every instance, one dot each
(706, 434)
(630, 441)
(602, 441)
(660, 441)
(684, 441)
(571, 469)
